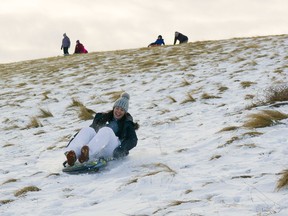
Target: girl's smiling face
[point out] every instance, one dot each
(118, 112)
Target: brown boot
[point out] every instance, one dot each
(84, 154)
(71, 158)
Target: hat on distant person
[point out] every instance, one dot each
(123, 101)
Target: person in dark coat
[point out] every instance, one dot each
(111, 134)
(79, 48)
(180, 37)
(158, 42)
(65, 44)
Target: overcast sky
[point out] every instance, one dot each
(33, 29)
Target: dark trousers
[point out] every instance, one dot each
(65, 50)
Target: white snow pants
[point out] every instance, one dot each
(101, 144)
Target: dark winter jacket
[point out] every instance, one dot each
(66, 42)
(159, 42)
(126, 132)
(182, 38)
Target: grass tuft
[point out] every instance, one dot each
(247, 84)
(283, 181)
(2, 202)
(45, 113)
(185, 83)
(272, 95)
(215, 157)
(114, 95)
(173, 100)
(189, 99)
(34, 123)
(85, 113)
(228, 142)
(230, 128)
(223, 89)
(25, 190)
(76, 103)
(10, 181)
(277, 93)
(208, 96)
(265, 118)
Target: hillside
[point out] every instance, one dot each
(197, 152)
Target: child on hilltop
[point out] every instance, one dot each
(79, 48)
(158, 42)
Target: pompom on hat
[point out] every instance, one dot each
(123, 101)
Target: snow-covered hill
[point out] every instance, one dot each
(194, 155)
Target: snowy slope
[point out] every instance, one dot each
(182, 97)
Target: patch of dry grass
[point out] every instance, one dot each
(279, 70)
(252, 145)
(25, 190)
(160, 167)
(228, 142)
(272, 95)
(185, 83)
(222, 89)
(85, 113)
(247, 84)
(3, 202)
(265, 118)
(277, 93)
(189, 99)
(10, 181)
(208, 96)
(229, 128)
(76, 103)
(188, 191)
(173, 100)
(214, 157)
(252, 134)
(34, 123)
(45, 113)
(174, 203)
(166, 121)
(45, 94)
(283, 181)
(8, 145)
(249, 97)
(114, 95)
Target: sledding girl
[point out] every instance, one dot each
(112, 134)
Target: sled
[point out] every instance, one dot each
(87, 167)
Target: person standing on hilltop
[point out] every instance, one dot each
(180, 37)
(65, 44)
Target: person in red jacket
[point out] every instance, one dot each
(79, 48)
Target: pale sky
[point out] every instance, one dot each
(33, 29)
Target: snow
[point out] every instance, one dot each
(183, 163)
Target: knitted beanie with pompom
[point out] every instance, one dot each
(123, 101)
